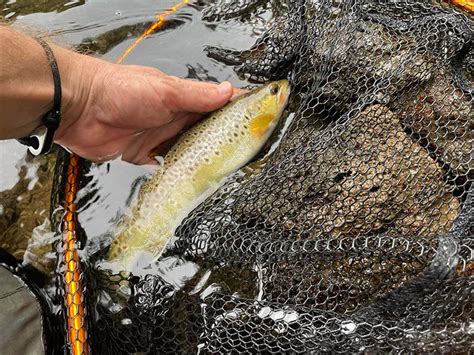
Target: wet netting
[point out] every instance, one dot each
(355, 232)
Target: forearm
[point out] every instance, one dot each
(26, 82)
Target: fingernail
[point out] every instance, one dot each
(224, 88)
(236, 93)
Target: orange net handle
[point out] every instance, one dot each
(75, 306)
(74, 284)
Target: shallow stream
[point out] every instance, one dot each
(105, 29)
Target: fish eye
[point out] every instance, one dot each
(274, 89)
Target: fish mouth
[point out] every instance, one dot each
(284, 93)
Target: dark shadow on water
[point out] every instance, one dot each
(105, 41)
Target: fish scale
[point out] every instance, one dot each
(203, 156)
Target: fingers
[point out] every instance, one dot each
(198, 97)
(237, 92)
(138, 99)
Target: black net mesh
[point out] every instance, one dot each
(355, 233)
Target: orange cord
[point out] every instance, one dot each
(160, 20)
(466, 5)
(74, 284)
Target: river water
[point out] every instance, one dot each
(107, 28)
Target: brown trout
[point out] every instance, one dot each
(211, 150)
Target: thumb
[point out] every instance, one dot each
(200, 97)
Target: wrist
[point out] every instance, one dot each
(26, 84)
(27, 87)
(77, 79)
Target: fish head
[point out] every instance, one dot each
(269, 103)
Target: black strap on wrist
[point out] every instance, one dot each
(41, 141)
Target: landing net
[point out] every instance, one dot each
(356, 233)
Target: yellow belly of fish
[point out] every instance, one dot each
(161, 211)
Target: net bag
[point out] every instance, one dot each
(355, 232)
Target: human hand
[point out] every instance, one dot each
(108, 110)
(129, 110)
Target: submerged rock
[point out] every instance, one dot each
(342, 284)
(362, 62)
(25, 228)
(364, 177)
(348, 59)
(444, 116)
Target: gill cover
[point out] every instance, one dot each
(275, 97)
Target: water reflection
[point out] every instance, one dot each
(104, 42)
(14, 8)
(200, 73)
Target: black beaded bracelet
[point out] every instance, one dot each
(41, 140)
